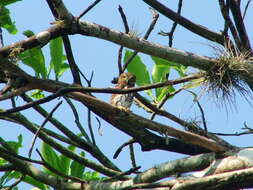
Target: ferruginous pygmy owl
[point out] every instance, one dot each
(126, 80)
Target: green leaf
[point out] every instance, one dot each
(7, 2)
(5, 20)
(64, 67)
(65, 161)
(161, 69)
(14, 145)
(28, 33)
(35, 183)
(34, 58)
(57, 57)
(164, 91)
(139, 69)
(77, 169)
(37, 94)
(181, 69)
(160, 73)
(91, 176)
(50, 157)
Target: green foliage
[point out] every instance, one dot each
(139, 69)
(14, 146)
(65, 165)
(34, 58)
(7, 2)
(57, 57)
(35, 183)
(5, 20)
(65, 161)
(51, 157)
(91, 176)
(37, 94)
(160, 72)
(76, 169)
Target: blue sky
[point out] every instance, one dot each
(100, 56)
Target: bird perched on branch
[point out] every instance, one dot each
(124, 101)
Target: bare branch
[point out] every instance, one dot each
(41, 127)
(148, 32)
(88, 8)
(236, 11)
(195, 28)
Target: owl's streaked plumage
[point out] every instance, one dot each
(126, 80)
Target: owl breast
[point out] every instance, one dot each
(122, 100)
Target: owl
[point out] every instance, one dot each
(124, 101)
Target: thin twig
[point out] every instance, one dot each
(77, 120)
(88, 9)
(81, 143)
(118, 151)
(240, 27)
(233, 134)
(155, 17)
(90, 127)
(202, 114)
(132, 155)
(72, 64)
(13, 102)
(9, 151)
(89, 114)
(66, 90)
(124, 19)
(245, 9)
(99, 126)
(39, 129)
(229, 23)
(173, 28)
(128, 172)
(119, 59)
(167, 96)
(195, 28)
(178, 120)
(16, 182)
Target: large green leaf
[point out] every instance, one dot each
(5, 20)
(77, 169)
(57, 57)
(7, 2)
(181, 69)
(139, 69)
(50, 157)
(34, 58)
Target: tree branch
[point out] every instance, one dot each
(195, 28)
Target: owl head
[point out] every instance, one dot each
(127, 79)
